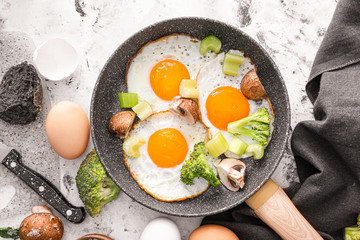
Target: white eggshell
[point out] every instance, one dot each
(161, 229)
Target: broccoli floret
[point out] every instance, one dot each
(95, 187)
(257, 126)
(353, 232)
(197, 166)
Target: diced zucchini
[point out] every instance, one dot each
(128, 100)
(237, 146)
(143, 110)
(217, 145)
(188, 89)
(257, 150)
(232, 63)
(210, 43)
(131, 146)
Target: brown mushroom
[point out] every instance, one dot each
(232, 173)
(121, 123)
(186, 108)
(95, 237)
(41, 226)
(251, 86)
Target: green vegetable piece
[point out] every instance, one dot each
(210, 43)
(353, 232)
(256, 150)
(237, 146)
(10, 233)
(257, 126)
(232, 63)
(143, 110)
(131, 146)
(95, 187)
(128, 100)
(197, 166)
(188, 89)
(217, 145)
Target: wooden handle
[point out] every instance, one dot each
(273, 206)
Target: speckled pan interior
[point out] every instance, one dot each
(112, 81)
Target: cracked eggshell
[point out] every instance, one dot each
(68, 129)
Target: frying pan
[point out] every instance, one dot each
(105, 103)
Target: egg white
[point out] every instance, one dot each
(180, 47)
(164, 183)
(211, 77)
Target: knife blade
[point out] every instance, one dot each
(42, 186)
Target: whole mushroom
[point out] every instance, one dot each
(41, 225)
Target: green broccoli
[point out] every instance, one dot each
(353, 232)
(95, 187)
(257, 126)
(197, 166)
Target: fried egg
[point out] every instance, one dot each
(156, 71)
(169, 140)
(221, 100)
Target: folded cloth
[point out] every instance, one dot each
(327, 149)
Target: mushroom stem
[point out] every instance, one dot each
(232, 173)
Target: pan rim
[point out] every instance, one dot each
(283, 142)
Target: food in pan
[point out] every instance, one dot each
(196, 112)
(168, 142)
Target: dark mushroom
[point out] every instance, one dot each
(251, 86)
(232, 173)
(186, 108)
(120, 124)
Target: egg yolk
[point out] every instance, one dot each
(167, 147)
(165, 78)
(225, 105)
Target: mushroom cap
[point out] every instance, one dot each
(120, 124)
(41, 209)
(41, 226)
(95, 237)
(251, 86)
(186, 108)
(232, 173)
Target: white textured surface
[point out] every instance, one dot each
(291, 31)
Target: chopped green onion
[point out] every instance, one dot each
(143, 110)
(232, 63)
(217, 145)
(131, 146)
(237, 146)
(257, 150)
(128, 100)
(188, 89)
(210, 43)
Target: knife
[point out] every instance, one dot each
(41, 185)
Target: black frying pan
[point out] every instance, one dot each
(112, 81)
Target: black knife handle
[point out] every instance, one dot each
(43, 187)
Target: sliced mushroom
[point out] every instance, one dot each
(40, 209)
(120, 124)
(232, 173)
(251, 86)
(186, 108)
(41, 226)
